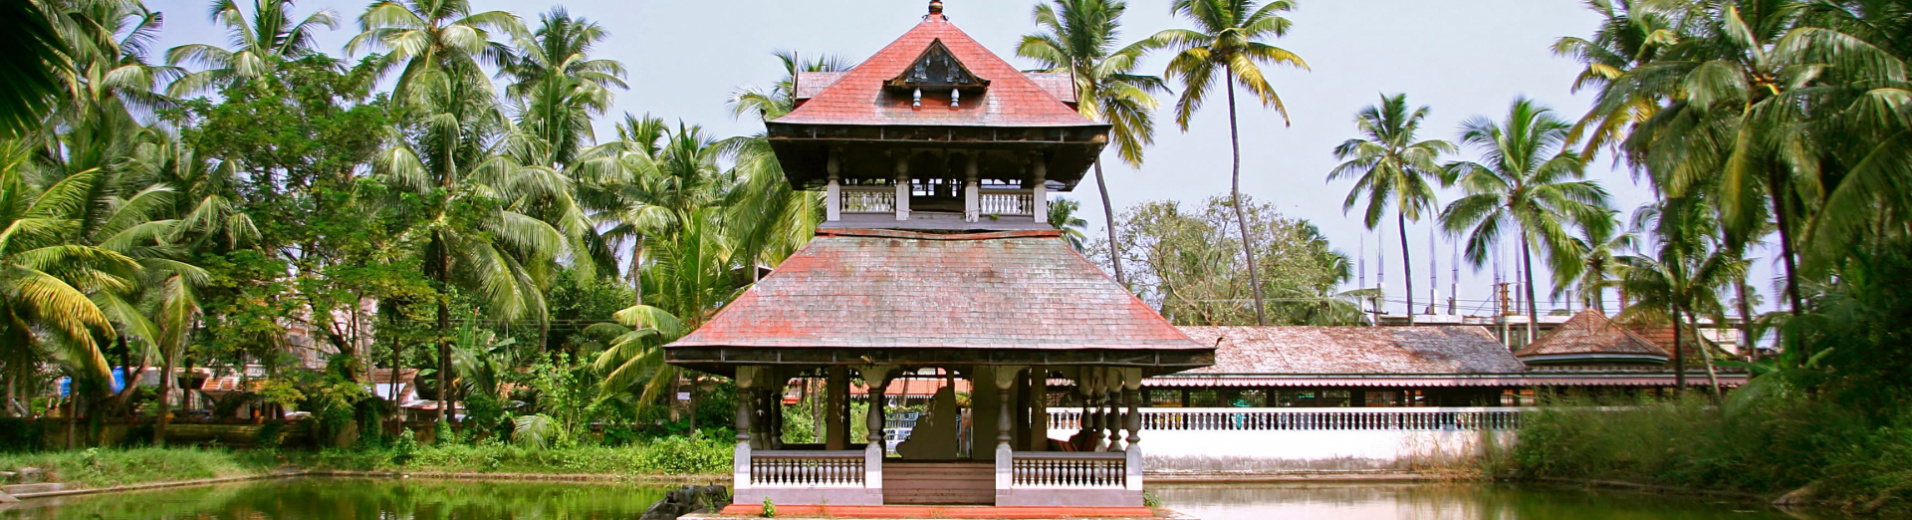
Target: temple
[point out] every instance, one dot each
(936, 263)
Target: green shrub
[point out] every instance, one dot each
(1775, 446)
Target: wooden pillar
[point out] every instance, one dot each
(1021, 412)
(836, 418)
(1039, 409)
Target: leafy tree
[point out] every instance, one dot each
(1392, 168)
(1079, 37)
(1526, 179)
(1225, 45)
(1180, 262)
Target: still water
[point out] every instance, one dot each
(352, 499)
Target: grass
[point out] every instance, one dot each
(94, 468)
(1767, 448)
(98, 467)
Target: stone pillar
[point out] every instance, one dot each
(833, 191)
(1039, 192)
(972, 191)
(878, 379)
(740, 462)
(836, 419)
(902, 185)
(1005, 378)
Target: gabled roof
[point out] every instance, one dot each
(902, 297)
(1589, 337)
(1354, 350)
(859, 97)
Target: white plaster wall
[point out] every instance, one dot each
(1265, 451)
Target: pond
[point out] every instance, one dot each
(356, 499)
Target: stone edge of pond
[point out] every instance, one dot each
(427, 475)
(1322, 477)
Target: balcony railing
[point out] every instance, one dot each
(1058, 470)
(807, 469)
(869, 199)
(1008, 202)
(1268, 419)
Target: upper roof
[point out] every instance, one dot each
(858, 97)
(993, 297)
(1354, 350)
(1058, 84)
(1590, 337)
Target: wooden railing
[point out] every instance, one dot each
(1059, 470)
(869, 199)
(1008, 202)
(1268, 419)
(807, 469)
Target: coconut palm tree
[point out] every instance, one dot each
(1392, 169)
(1631, 34)
(430, 38)
(780, 98)
(1683, 279)
(1225, 44)
(1588, 264)
(259, 43)
(474, 205)
(35, 60)
(46, 312)
(559, 86)
(1080, 37)
(689, 280)
(1525, 179)
(1062, 216)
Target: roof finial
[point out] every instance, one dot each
(936, 7)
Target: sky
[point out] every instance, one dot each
(1462, 58)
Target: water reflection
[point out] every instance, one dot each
(352, 499)
(367, 499)
(1440, 502)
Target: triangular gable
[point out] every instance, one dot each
(937, 69)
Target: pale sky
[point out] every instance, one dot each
(1463, 58)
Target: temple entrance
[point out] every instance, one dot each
(939, 483)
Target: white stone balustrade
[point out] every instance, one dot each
(1341, 419)
(1007, 202)
(868, 199)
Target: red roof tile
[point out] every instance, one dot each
(1590, 337)
(1354, 350)
(858, 97)
(902, 290)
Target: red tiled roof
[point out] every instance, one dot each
(858, 97)
(1590, 336)
(1354, 350)
(871, 289)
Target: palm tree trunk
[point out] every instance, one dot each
(1108, 215)
(166, 383)
(1533, 305)
(1679, 357)
(444, 324)
(1407, 266)
(1782, 220)
(1746, 321)
(1712, 375)
(1234, 193)
(637, 268)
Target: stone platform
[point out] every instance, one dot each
(926, 512)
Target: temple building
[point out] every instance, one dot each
(936, 262)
